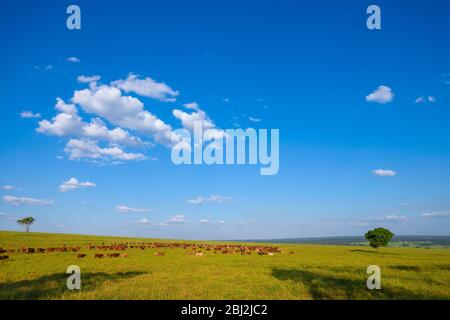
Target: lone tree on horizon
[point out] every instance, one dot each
(379, 237)
(26, 223)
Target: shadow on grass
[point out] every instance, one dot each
(405, 268)
(54, 286)
(326, 287)
(379, 252)
(445, 267)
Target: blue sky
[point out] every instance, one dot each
(306, 68)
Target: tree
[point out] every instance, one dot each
(379, 237)
(26, 222)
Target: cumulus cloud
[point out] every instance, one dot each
(382, 94)
(124, 111)
(211, 198)
(108, 105)
(147, 87)
(69, 123)
(29, 115)
(126, 209)
(384, 173)
(188, 119)
(73, 59)
(73, 184)
(88, 149)
(17, 201)
(204, 221)
(436, 214)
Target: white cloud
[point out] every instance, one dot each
(244, 222)
(88, 149)
(254, 119)
(436, 214)
(220, 221)
(16, 201)
(97, 129)
(144, 221)
(8, 187)
(29, 115)
(177, 219)
(394, 218)
(192, 105)
(88, 79)
(188, 119)
(73, 59)
(211, 198)
(69, 123)
(384, 173)
(124, 111)
(126, 209)
(382, 94)
(73, 184)
(424, 99)
(147, 87)
(204, 221)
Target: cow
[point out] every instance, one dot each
(124, 255)
(99, 255)
(30, 250)
(199, 254)
(40, 250)
(160, 254)
(4, 257)
(113, 255)
(81, 255)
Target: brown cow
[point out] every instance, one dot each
(124, 255)
(81, 255)
(99, 255)
(4, 257)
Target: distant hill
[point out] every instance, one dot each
(397, 241)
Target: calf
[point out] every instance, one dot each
(124, 255)
(199, 254)
(159, 254)
(81, 255)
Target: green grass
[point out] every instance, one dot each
(312, 272)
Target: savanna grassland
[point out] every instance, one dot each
(298, 272)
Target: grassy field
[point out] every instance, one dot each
(312, 272)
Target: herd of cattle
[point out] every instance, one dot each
(191, 249)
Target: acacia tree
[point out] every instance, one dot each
(379, 237)
(26, 222)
